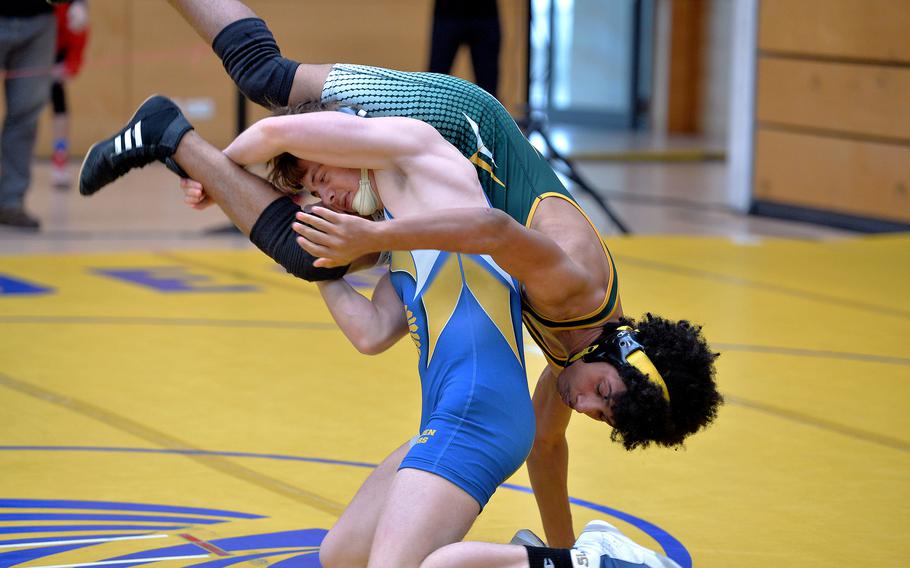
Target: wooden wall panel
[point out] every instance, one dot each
(513, 62)
(391, 33)
(394, 34)
(861, 29)
(180, 65)
(686, 39)
(96, 96)
(857, 99)
(833, 131)
(138, 47)
(832, 174)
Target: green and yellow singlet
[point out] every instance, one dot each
(514, 176)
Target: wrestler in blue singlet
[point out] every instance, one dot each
(464, 313)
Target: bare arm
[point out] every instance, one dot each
(334, 138)
(548, 462)
(372, 326)
(208, 17)
(548, 274)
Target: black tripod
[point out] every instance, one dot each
(536, 125)
(535, 122)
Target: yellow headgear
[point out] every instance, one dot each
(621, 347)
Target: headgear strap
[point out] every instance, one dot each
(621, 347)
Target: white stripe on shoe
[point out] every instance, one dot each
(129, 136)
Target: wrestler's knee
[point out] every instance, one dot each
(443, 557)
(392, 553)
(251, 57)
(273, 235)
(340, 550)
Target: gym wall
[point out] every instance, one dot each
(832, 136)
(141, 47)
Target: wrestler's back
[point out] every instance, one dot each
(512, 173)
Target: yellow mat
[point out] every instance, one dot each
(201, 409)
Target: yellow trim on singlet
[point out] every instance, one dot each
(475, 159)
(539, 340)
(612, 280)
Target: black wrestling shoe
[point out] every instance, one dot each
(18, 217)
(153, 133)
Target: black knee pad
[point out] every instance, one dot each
(251, 57)
(273, 235)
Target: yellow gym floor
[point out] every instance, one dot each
(201, 409)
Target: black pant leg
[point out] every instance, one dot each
(447, 37)
(485, 42)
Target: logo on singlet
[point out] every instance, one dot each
(481, 147)
(425, 436)
(482, 150)
(413, 329)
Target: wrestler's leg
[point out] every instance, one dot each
(210, 17)
(159, 131)
(348, 543)
(241, 195)
(478, 555)
(423, 512)
(251, 203)
(600, 544)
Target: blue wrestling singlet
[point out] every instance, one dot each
(477, 422)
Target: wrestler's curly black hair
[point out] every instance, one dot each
(641, 416)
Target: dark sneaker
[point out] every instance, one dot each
(153, 133)
(17, 217)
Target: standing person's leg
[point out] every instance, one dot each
(250, 54)
(28, 58)
(60, 128)
(444, 44)
(485, 41)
